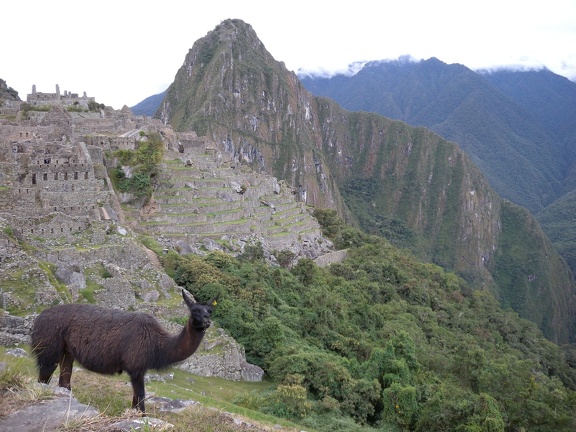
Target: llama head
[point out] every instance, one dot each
(199, 312)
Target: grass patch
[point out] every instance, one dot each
(50, 270)
(17, 383)
(90, 290)
(112, 396)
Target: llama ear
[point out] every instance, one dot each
(187, 300)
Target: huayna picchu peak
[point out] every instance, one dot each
(406, 183)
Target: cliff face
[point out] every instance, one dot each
(371, 169)
(419, 178)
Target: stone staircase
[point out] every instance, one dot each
(201, 197)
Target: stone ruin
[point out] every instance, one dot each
(56, 195)
(65, 99)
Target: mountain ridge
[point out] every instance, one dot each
(499, 131)
(232, 90)
(517, 126)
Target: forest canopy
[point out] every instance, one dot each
(383, 341)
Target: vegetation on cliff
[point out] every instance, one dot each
(7, 93)
(144, 162)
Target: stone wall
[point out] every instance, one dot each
(46, 178)
(15, 330)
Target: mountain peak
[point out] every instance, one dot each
(228, 35)
(233, 91)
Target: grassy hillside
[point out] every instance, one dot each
(214, 407)
(384, 341)
(380, 341)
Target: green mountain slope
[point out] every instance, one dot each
(503, 134)
(559, 221)
(422, 190)
(517, 126)
(149, 105)
(378, 340)
(383, 342)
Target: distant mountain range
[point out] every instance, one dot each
(403, 182)
(149, 105)
(519, 127)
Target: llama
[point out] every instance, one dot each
(110, 341)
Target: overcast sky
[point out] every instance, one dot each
(122, 51)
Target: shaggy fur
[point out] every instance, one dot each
(110, 341)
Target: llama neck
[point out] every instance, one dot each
(184, 344)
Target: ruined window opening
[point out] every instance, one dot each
(66, 176)
(75, 176)
(34, 178)
(55, 176)
(86, 175)
(45, 176)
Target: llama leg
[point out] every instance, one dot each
(66, 363)
(139, 392)
(48, 355)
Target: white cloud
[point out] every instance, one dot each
(124, 51)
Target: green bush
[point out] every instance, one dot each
(380, 340)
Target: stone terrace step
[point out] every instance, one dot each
(199, 205)
(201, 200)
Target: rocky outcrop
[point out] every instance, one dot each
(14, 330)
(48, 415)
(260, 114)
(220, 355)
(7, 93)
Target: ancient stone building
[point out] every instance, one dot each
(65, 99)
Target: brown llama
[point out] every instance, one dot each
(110, 341)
